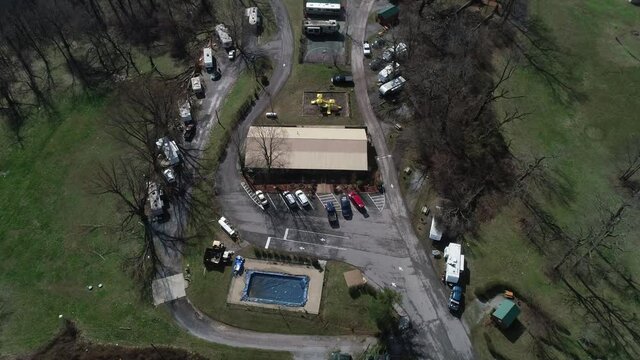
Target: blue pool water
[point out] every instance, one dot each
(275, 288)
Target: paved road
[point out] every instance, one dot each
(184, 313)
(441, 336)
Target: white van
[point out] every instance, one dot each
(208, 59)
(392, 86)
(226, 226)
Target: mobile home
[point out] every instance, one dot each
(156, 205)
(226, 226)
(330, 8)
(170, 150)
(317, 27)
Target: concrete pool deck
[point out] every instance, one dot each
(314, 292)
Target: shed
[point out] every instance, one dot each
(388, 15)
(506, 313)
(354, 278)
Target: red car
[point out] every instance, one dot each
(356, 199)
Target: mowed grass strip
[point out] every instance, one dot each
(52, 228)
(585, 141)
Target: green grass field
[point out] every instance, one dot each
(339, 312)
(52, 228)
(586, 139)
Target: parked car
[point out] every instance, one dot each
(190, 131)
(169, 175)
(366, 49)
(331, 213)
(342, 79)
(455, 299)
(231, 54)
(356, 199)
(290, 199)
(376, 64)
(346, 207)
(263, 199)
(302, 198)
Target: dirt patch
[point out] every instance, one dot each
(70, 345)
(341, 99)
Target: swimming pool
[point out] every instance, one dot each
(275, 288)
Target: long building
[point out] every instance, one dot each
(307, 148)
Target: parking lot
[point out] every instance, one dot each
(307, 229)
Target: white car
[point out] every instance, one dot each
(302, 198)
(366, 48)
(231, 54)
(169, 175)
(263, 199)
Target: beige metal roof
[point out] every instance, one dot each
(310, 148)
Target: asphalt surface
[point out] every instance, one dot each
(440, 335)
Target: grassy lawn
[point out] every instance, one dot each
(51, 228)
(587, 138)
(339, 312)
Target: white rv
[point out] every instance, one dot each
(455, 263)
(389, 72)
(321, 8)
(196, 85)
(392, 86)
(226, 226)
(253, 16)
(223, 35)
(170, 150)
(209, 62)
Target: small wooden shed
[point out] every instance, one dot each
(354, 279)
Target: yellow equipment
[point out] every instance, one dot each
(326, 105)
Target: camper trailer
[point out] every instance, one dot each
(223, 35)
(455, 263)
(156, 206)
(389, 73)
(392, 86)
(170, 150)
(321, 27)
(209, 60)
(435, 232)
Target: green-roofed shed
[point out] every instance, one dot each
(388, 15)
(506, 313)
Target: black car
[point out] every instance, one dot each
(345, 204)
(290, 200)
(331, 213)
(376, 64)
(342, 79)
(455, 299)
(189, 131)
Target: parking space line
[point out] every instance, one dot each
(319, 233)
(306, 243)
(272, 202)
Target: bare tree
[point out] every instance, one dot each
(632, 161)
(266, 148)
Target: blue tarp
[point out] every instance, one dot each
(275, 288)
